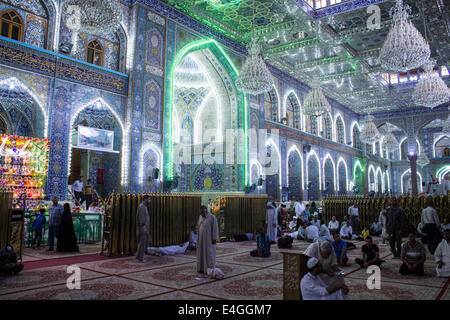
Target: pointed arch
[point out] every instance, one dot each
(144, 149)
(400, 143)
(124, 131)
(339, 129)
(356, 143)
(295, 149)
(379, 174)
(386, 182)
(406, 172)
(342, 161)
(292, 98)
(436, 141)
(369, 180)
(323, 170)
(14, 83)
(270, 142)
(314, 154)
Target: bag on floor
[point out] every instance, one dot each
(215, 273)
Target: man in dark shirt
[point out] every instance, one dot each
(8, 261)
(394, 224)
(371, 254)
(413, 256)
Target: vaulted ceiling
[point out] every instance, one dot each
(333, 43)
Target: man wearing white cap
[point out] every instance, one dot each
(272, 221)
(324, 252)
(313, 288)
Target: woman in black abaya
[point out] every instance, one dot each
(67, 240)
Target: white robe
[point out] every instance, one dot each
(311, 232)
(272, 223)
(442, 253)
(206, 251)
(169, 250)
(313, 288)
(299, 208)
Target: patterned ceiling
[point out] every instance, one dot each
(339, 47)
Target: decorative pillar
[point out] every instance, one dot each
(412, 161)
(294, 268)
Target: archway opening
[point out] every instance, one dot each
(328, 177)
(313, 181)
(342, 178)
(295, 176)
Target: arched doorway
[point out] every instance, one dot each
(328, 176)
(150, 171)
(358, 178)
(342, 177)
(295, 174)
(380, 184)
(372, 183)
(293, 114)
(202, 102)
(405, 180)
(356, 131)
(340, 129)
(313, 178)
(271, 105)
(272, 171)
(88, 155)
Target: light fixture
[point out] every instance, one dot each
(404, 48)
(431, 91)
(422, 159)
(254, 77)
(97, 17)
(316, 103)
(369, 132)
(390, 141)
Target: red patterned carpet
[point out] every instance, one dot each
(173, 278)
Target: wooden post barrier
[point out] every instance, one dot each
(294, 268)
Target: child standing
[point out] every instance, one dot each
(38, 225)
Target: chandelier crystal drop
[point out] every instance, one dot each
(422, 159)
(431, 91)
(97, 17)
(254, 78)
(369, 132)
(316, 103)
(404, 48)
(390, 141)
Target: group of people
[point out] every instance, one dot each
(83, 193)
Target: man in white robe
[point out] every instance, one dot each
(313, 288)
(299, 208)
(143, 228)
(442, 256)
(311, 233)
(324, 252)
(169, 250)
(208, 233)
(324, 234)
(272, 221)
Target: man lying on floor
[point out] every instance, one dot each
(168, 251)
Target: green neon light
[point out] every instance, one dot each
(440, 170)
(191, 47)
(357, 164)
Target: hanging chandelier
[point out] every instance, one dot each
(316, 103)
(404, 48)
(254, 77)
(390, 141)
(369, 132)
(97, 17)
(431, 91)
(422, 160)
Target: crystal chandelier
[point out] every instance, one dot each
(97, 17)
(431, 91)
(422, 159)
(254, 77)
(404, 48)
(316, 103)
(369, 132)
(390, 141)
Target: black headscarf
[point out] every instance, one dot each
(67, 240)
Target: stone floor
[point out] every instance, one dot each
(175, 277)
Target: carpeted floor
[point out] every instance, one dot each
(175, 277)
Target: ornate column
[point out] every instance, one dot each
(412, 161)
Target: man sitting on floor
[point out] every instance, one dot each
(333, 225)
(316, 221)
(313, 288)
(346, 231)
(445, 225)
(340, 249)
(311, 233)
(324, 252)
(8, 261)
(442, 256)
(324, 234)
(263, 245)
(413, 256)
(370, 254)
(375, 228)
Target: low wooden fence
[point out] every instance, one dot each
(171, 219)
(244, 214)
(369, 208)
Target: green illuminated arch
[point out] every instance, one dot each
(242, 117)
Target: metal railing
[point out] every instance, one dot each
(88, 228)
